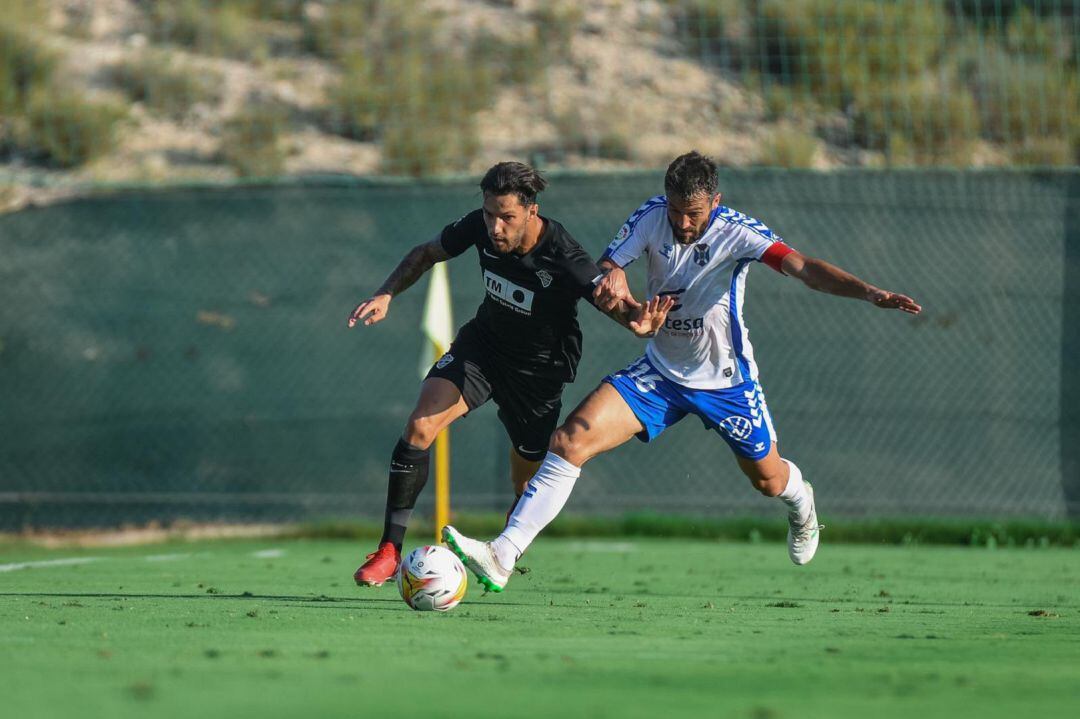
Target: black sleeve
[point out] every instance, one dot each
(581, 272)
(461, 235)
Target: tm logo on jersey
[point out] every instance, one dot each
(507, 293)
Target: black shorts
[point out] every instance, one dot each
(529, 406)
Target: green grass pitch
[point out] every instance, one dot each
(612, 628)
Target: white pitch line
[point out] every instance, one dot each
(166, 557)
(269, 553)
(49, 563)
(618, 547)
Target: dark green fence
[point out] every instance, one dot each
(184, 353)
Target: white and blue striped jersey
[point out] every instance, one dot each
(704, 343)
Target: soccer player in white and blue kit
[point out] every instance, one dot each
(699, 362)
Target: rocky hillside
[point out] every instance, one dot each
(148, 91)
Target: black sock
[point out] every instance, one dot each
(408, 475)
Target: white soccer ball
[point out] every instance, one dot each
(432, 579)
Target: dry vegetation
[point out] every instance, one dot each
(150, 90)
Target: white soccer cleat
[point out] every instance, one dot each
(802, 537)
(479, 557)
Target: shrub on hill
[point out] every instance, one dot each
(165, 84)
(252, 144)
(65, 130)
(25, 65)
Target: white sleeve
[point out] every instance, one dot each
(633, 237)
(750, 238)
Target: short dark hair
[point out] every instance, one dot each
(514, 178)
(691, 174)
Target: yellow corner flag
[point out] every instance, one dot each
(438, 328)
(437, 323)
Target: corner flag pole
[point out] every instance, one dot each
(438, 328)
(442, 474)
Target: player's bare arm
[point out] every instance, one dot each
(825, 277)
(612, 287)
(419, 260)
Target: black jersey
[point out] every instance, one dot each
(528, 318)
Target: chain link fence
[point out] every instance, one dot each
(183, 354)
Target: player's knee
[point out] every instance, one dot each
(568, 444)
(561, 441)
(420, 432)
(769, 484)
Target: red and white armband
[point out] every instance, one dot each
(774, 256)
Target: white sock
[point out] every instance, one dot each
(544, 498)
(794, 494)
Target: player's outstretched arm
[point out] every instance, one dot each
(613, 288)
(824, 277)
(419, 260)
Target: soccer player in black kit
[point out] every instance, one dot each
(520, 350)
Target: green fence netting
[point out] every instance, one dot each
(184, 353)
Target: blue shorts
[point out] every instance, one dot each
(739, 414)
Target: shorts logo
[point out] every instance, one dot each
(701, 254)
(507, 293)
(737, 427)
(444, 360)
(545, 278)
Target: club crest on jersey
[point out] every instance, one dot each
(545, 278)
(701, 254)
(444, 360)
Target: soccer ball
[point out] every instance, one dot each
(432, 579)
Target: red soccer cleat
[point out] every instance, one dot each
(381, 566)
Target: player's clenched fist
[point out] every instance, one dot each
(611, 289)
(370, 311)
